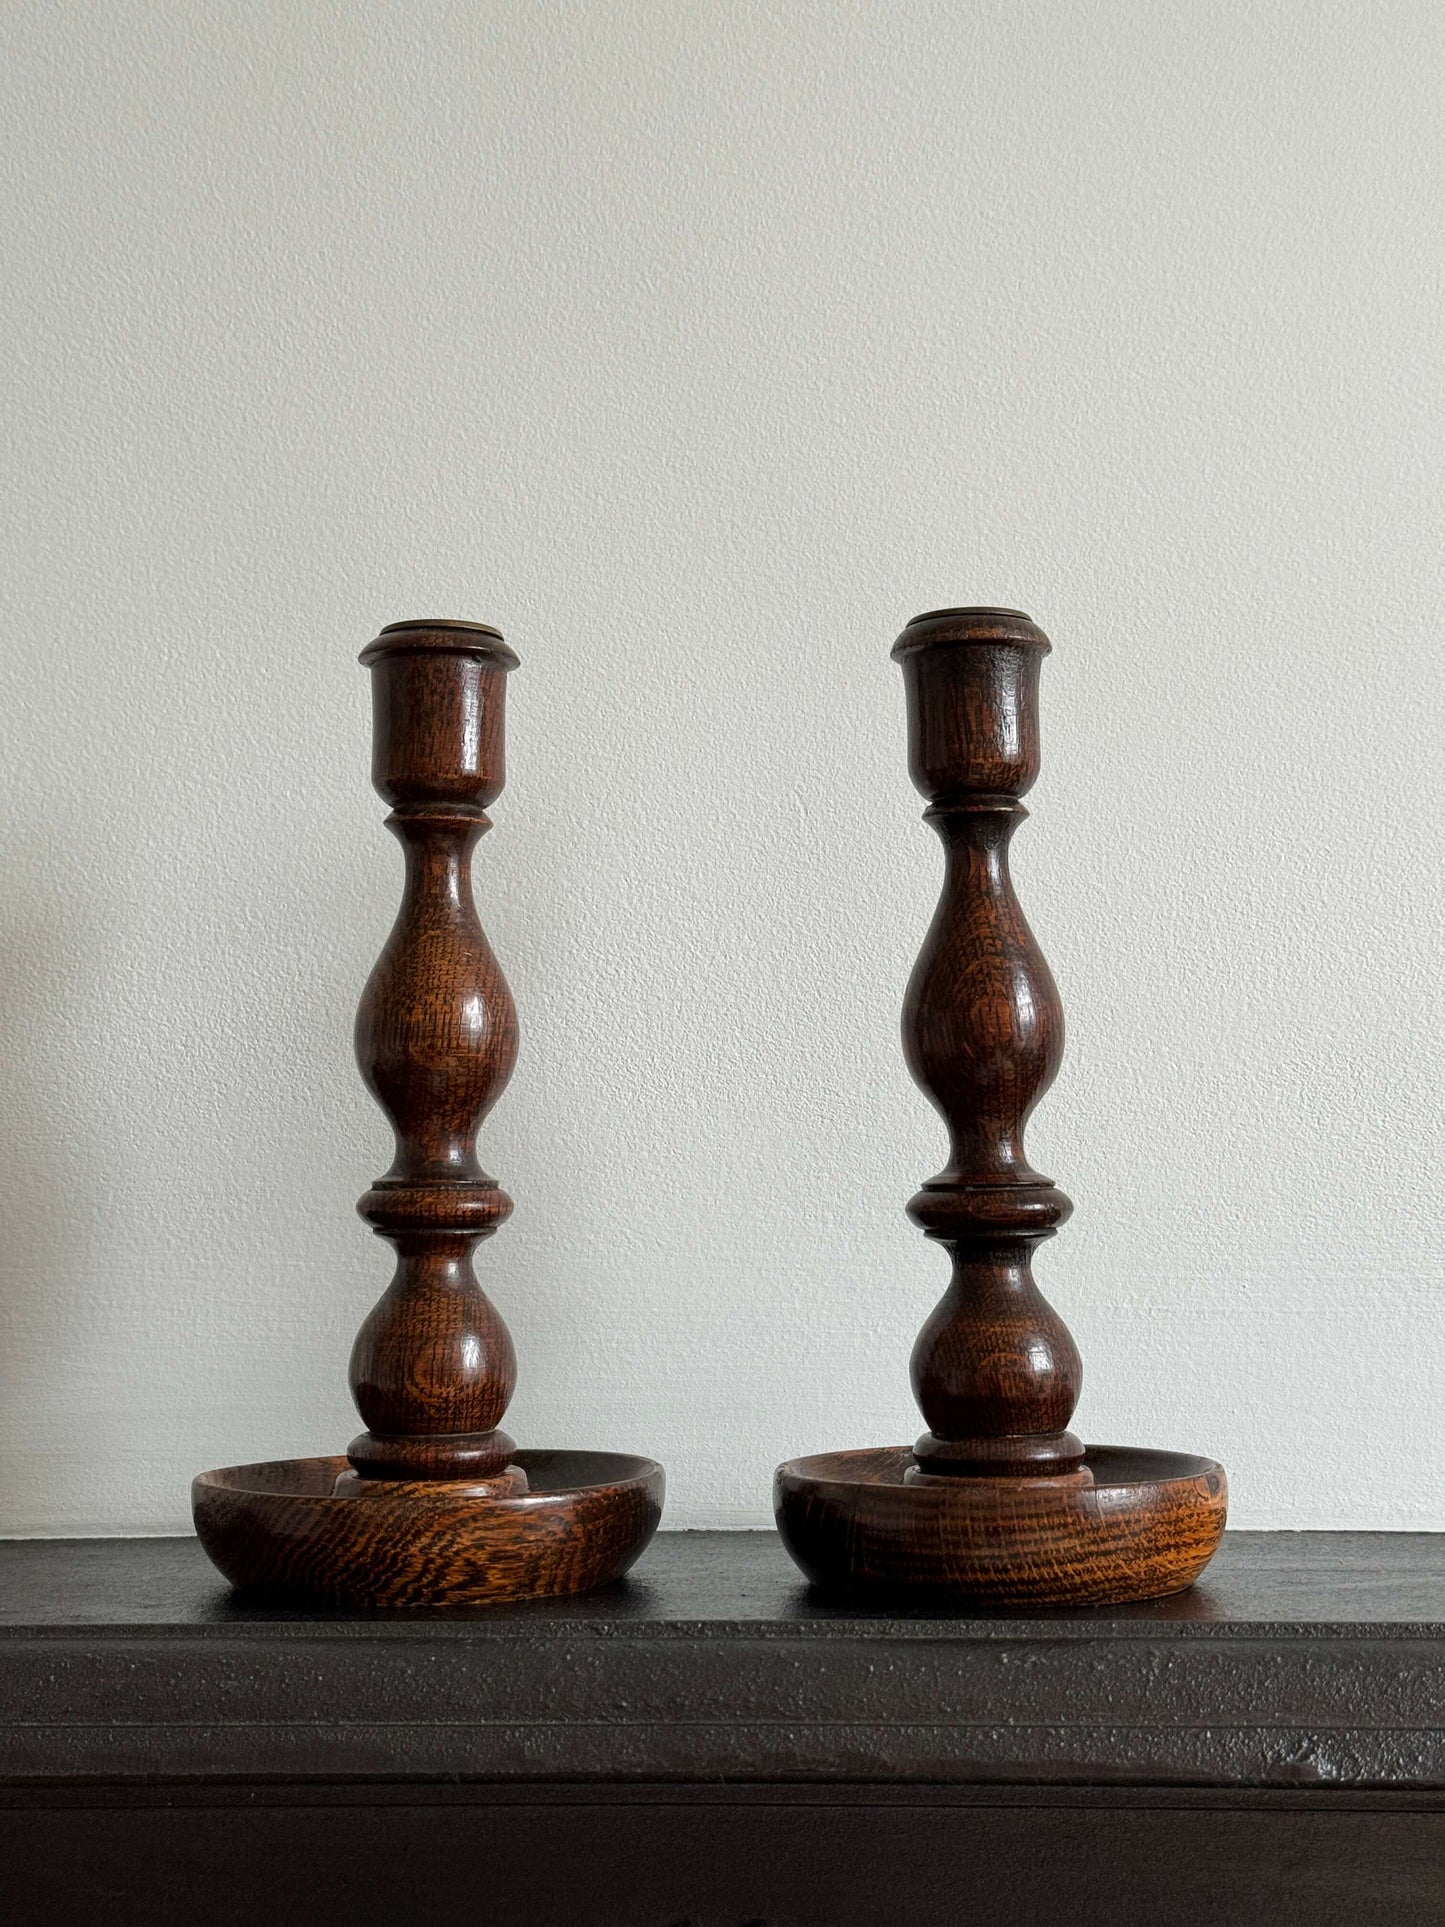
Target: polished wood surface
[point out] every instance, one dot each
(576, 1520)
(433, 1368)
(994, 1370)
(433, 1503)
(998, 1499)
(1130, 1525)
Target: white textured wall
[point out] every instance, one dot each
(698, 346)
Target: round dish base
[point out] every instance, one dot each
(283, 1527)
(1132, 1524)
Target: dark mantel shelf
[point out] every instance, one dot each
(1303, 1659)
(712, 1698)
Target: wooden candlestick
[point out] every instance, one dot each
(433, 1504)
(998, 1502)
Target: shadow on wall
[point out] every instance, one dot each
(56, 1171)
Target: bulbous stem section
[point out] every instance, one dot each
(434, 1355)
(983, 1027)
(436, 1033)
(994, 1370)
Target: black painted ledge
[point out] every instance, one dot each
(1303, 1662)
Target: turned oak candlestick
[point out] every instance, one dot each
(997, 1501)
(433, 1504)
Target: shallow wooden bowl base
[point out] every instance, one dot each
(1134, 1525)
(288, 1527)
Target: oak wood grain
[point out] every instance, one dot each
(578, 1520)
(433, 1504)
(998, 1500)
